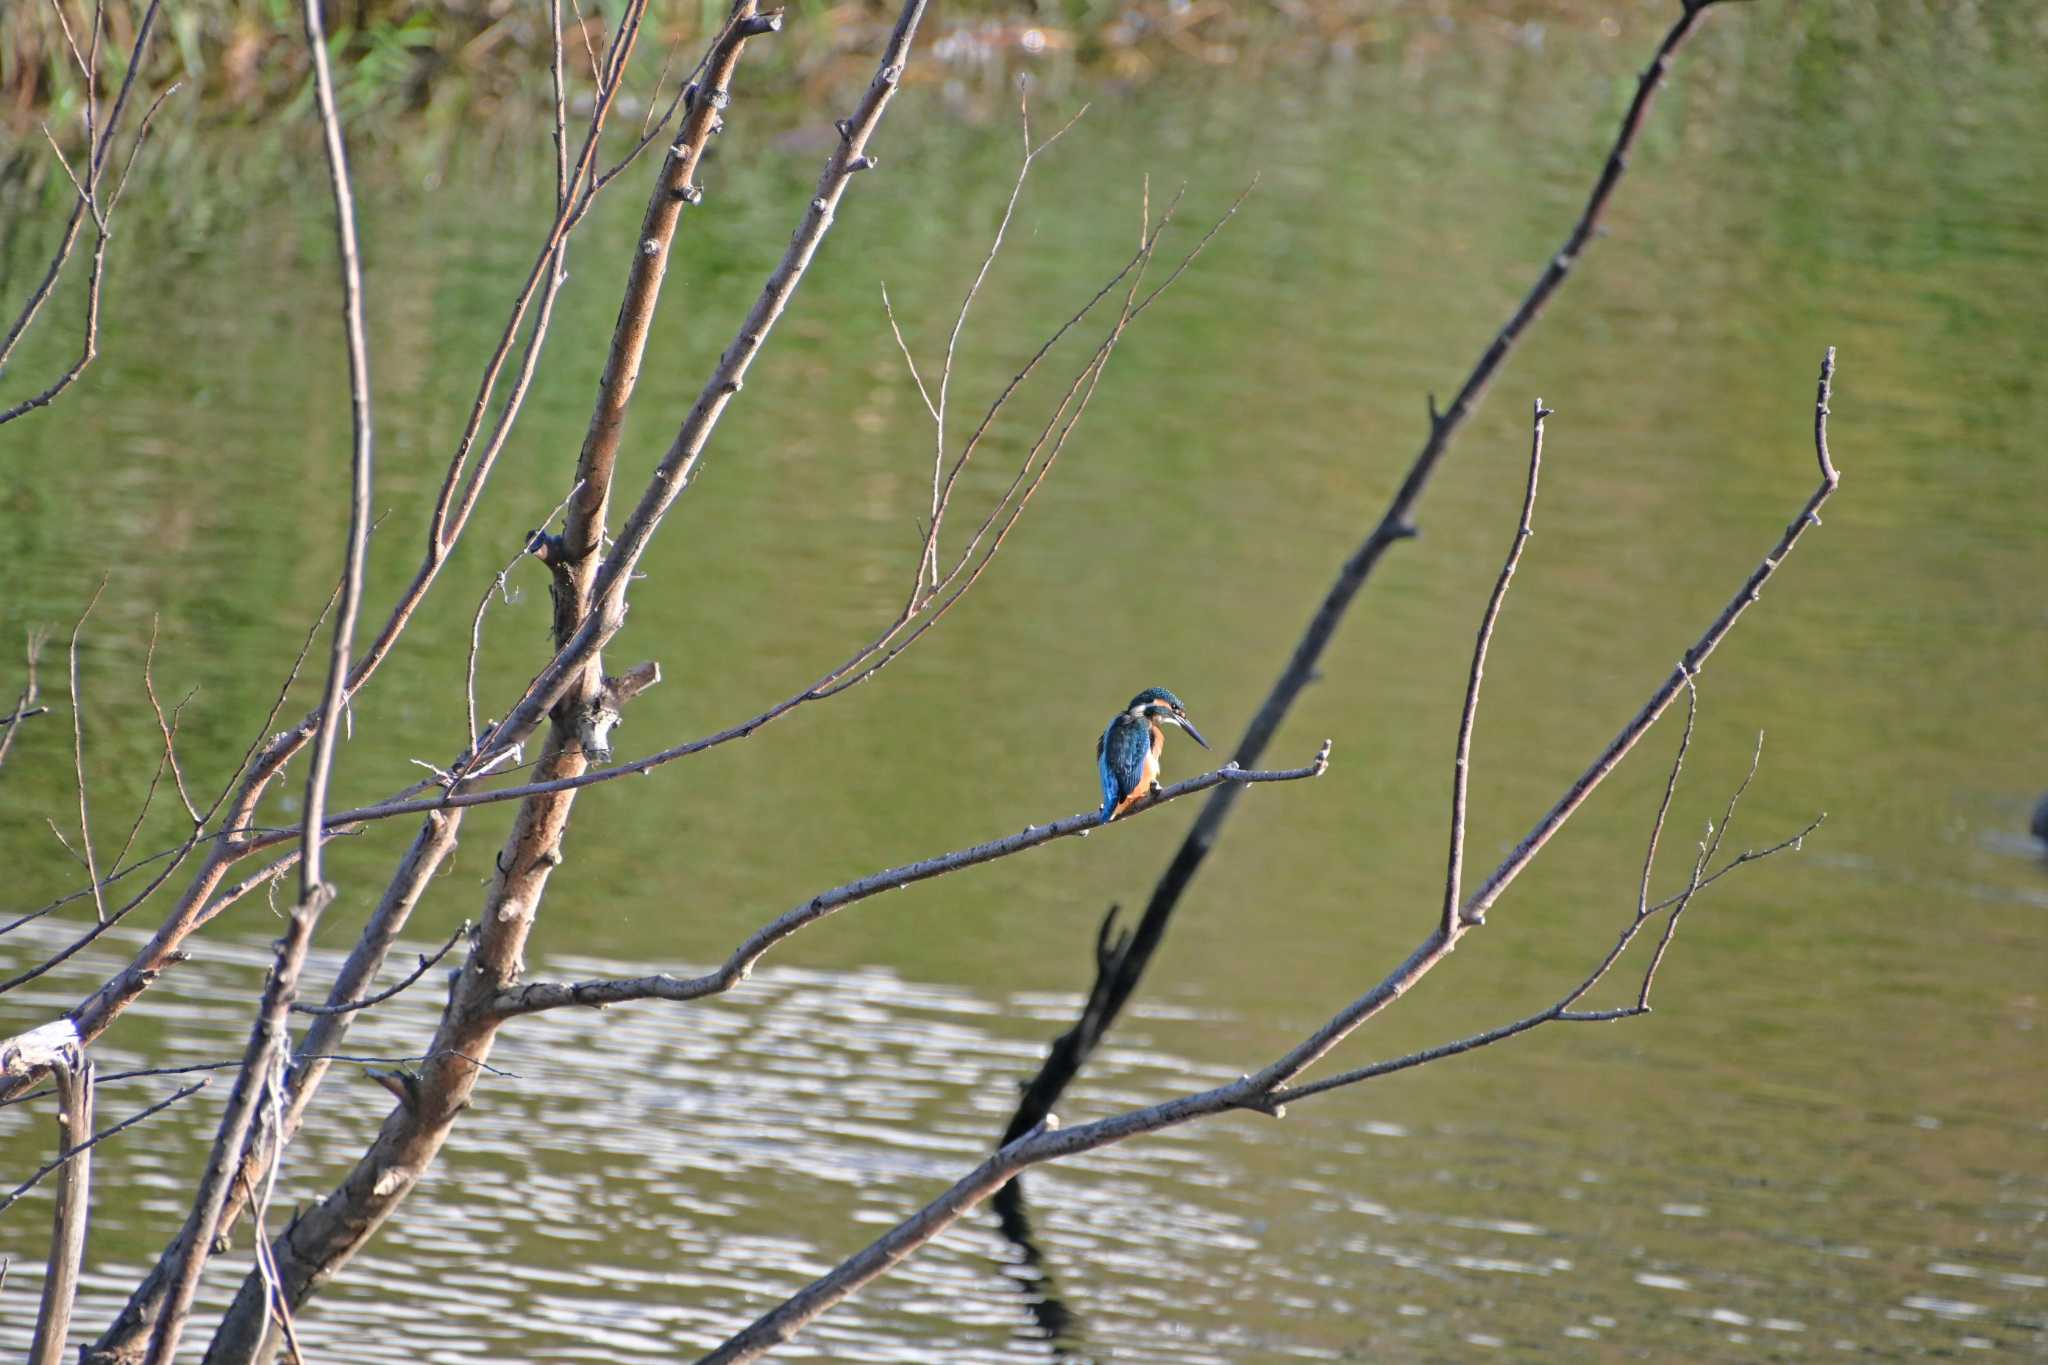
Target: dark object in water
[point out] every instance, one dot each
(2040, 825)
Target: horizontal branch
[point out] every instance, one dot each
(546, 995)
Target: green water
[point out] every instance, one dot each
(1827, 1139)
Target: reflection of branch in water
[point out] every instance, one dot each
(1056, 1322)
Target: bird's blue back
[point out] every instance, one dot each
(1120, 758)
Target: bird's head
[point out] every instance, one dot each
(1158, 704)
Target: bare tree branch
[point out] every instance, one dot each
(1454, 872)
(328, 1235)
(536, 544)
(78, 757)
(679, 465)
(268, 1038)
(1275, 1102)
(1267, 1089)
(74, 1197)
(544, 995)
(457, 498)
(1070, 1052)
(311, 888)
(426, 963)
(25, 704)
(917, 616)
(169, 730)
(1472, 913)
(561, 107)
(196, 1242)
(99, 145)
(1688, 667)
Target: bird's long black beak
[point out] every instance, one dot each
(1193, 733)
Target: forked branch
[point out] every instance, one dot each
(1267, 1089)
(918, 615)
(93, 201)
(1395, 524)
(461, 488)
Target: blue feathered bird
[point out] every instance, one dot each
(1127, 755)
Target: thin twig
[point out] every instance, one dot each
(78, 757)
(135, 147)
(267, 1037)
(909, 361)
(426, 965)
(1461, 764)
(1692, 708)
(168, 728)
(24, 705)
(1708, 849)
(583, 32)
(333, 700)
(88, 203)
(930, 560)
(266, 1257)
(498, 586)
(64, 161)
(1748, 855)
(168, 759)
(561, 110)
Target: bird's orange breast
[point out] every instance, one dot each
(1148, 774)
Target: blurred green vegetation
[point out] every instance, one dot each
(244, 60)
(464, 63)
(427, 74)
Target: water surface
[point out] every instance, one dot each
(1828, 1138)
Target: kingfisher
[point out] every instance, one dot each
(1127, 755)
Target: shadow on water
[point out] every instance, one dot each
(1056, 1323)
